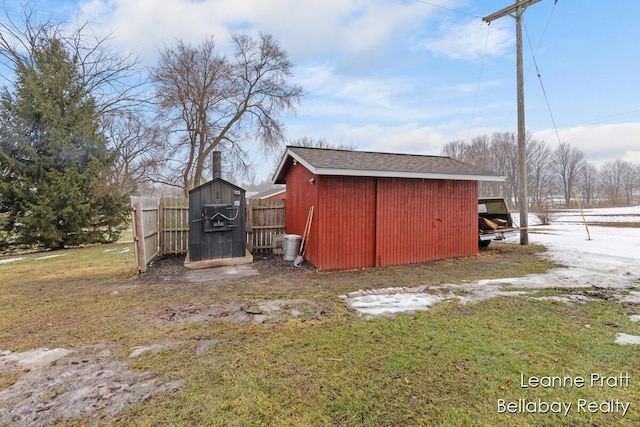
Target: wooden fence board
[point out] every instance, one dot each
(144, 217)
(265, 219)
(161, 226)
(174, 225)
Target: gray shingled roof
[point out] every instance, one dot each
(268, 193)
(364, 163)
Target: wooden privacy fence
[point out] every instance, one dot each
(144, 223)
(265, 219)
(173, 223)
(161, 226)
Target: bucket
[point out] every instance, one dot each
(291, 246)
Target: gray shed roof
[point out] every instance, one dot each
(322, 161)
(268, 193)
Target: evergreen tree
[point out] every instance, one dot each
(54, 161)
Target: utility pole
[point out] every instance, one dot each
(516, 10)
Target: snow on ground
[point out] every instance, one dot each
(610, 260)
(8, 260)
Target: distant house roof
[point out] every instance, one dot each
(268, 193)
(322, 161)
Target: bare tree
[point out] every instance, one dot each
(105, 73)
(108, 79)
(637, 182)
(504, 147)
(455, 149)
(479, 153)
(539, 174)
(214, 102)
(629, 181)
(307, 141)
(612, 180)
(568, 161)
(587, 183)
(136, 150)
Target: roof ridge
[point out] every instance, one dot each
(370, 152)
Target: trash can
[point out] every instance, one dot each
(291, 246)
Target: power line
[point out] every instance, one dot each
(516, 11)
(447, 8)
(608, 118)
(475, 101)
(544, 92)
(544, 31)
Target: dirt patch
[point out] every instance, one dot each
(600, 294)
(55, 383)
(267, 312)
(170, 269)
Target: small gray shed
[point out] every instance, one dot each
(217, 218)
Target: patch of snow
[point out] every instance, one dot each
(35, 359)
(138, 350)
(624, 339)
(634, 317)
(623, 214)
(76, 385)
(50, 256)
(8, 260)
(632, 297)
(610, 260)
(376, 305)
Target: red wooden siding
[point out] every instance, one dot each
(422, 220)
(364, 221)
(345, 233)
(301, 195)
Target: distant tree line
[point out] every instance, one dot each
(551, 174)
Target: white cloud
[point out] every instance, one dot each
(471, 40)
(600, 143)
(632, 156)
(145, 25)
(323, 80)
(408, 138)
(305, 28)
(364, 86)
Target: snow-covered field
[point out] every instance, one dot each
(609, 260)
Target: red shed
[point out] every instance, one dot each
(379, 209)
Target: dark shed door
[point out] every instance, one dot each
(216, 221)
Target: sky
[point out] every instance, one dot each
(410, 76)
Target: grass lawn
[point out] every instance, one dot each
(453, 365)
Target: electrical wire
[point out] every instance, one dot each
(475, 100)
(447, 8)
(610, 117)
(217, 214)
(544, 32)
(544, 92)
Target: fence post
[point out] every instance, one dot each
(138, 234)
(145, 230)
(249, 225)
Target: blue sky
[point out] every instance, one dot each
(411, 75)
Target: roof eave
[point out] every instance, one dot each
(396, 174)
(281, 172)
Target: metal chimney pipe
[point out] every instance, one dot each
(216, 157)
